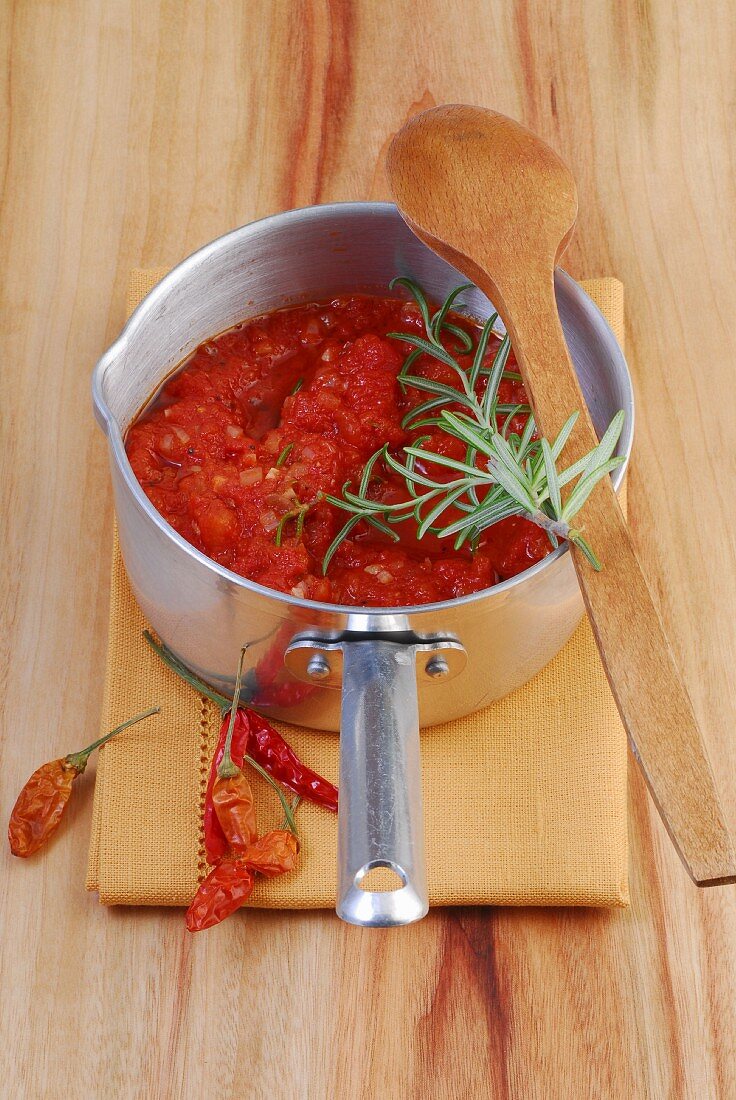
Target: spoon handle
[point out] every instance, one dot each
(651, 698)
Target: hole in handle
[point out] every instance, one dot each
(380, 876)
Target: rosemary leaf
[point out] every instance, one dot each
(439, 319)
(586, 548)
(433, 515)
(418, 294)
(443, 460)
(514, 485)
(512, 412)
(284, 454)
(410, 473)
(427, 348)
(607, 445)
(421, 410)
(553, 483)
(465, 431)
(564, 435)
(494, 378)
(379, 525)
(465, 341)
(341, 535)
(480, 351)
(585, 487)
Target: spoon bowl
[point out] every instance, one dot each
(461, 150)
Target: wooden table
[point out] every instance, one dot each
(134, 132)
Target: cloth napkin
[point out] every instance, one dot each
(524, 801)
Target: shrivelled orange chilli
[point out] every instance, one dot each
(232, 796)
(40, 805)
(226, 888)
(272, 854)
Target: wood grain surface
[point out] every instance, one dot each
(132, 133)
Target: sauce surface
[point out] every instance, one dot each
(241, 445)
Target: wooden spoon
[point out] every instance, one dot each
(498, 204)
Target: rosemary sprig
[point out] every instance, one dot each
(502, 474)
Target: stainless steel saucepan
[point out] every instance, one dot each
(376, 675)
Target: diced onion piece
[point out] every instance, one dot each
(308, 452)
(299, 590)
(250, 477)
(234, 431)
(282, 502)
(273, 473)
(269, 520)
(182, 436)
(373, 569)
(272, 443)
(335, 382)
(312, 333)
(299, 470)
(330, 353)
(166, 443)
(385, 577)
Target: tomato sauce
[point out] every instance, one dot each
(240, 447)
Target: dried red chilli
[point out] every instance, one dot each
(272, 854)
(40, 806)
(232, 796)
(226, 888)
(275, 755)
(230, 884)
(233, 800)
(255, 738)
(215, 843)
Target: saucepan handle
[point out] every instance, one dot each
(380, 819)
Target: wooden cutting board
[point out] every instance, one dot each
(136, 132)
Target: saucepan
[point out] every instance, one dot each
(373, 674)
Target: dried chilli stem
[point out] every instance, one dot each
(227, 768)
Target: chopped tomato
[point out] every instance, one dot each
(240, 448)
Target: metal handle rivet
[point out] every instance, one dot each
(318, 667)
(437, 667)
